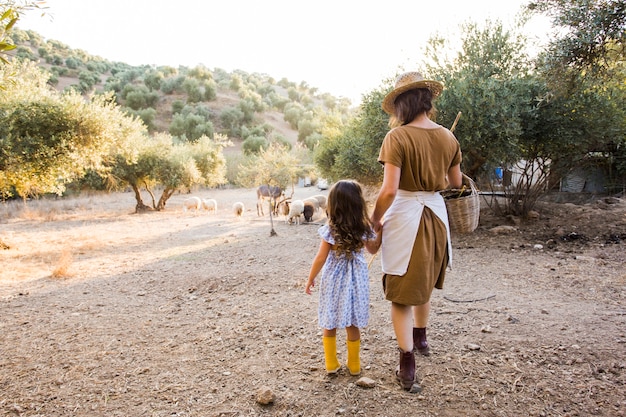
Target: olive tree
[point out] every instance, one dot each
(350, 150)
(274, 166)
(49, 139)
(163, 161)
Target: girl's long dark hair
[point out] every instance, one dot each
(347, 216)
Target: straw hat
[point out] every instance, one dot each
(409, 81)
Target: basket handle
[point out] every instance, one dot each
(471, 182)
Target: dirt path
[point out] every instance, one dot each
(189, 314)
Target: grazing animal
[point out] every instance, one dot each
(192, 203)
(238, 208)
(295, 211)
(271, 193)
(309, 209)
(210, 205)
(321, 199)
(283, 207)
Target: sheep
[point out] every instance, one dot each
(209, 204)
(238, 208)
(309, 209)
(192, 203)
(321, 199)
(295, 211)
(283, 207)
(313, 201)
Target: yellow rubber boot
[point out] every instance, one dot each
(354, 361)
(330, 354)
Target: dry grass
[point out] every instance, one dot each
(96, 204)
(62, 269)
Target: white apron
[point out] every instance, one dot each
(400, 226)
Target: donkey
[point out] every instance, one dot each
(271, 193)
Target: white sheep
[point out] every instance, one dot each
(296, 209)
(209, 204)
(192, 203)
(321, 200)
(313, 201)
(238, 208)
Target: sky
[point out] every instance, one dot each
(343, 47)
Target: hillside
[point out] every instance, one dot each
(188, 101)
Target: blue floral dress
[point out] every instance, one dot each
(344, 292)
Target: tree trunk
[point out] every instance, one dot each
(140, 207)
(151, 195)
(167, 193)
(272, 232)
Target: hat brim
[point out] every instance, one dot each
(388, 104)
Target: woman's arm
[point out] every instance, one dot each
(391, 181)
(318, 264)
(455, 178)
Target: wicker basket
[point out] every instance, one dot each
(463, 206)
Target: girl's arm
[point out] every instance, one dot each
(318, 263)
(373, 245)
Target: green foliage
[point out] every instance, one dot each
(351, 151)
(247, 108)
(25, 53)
(191, 86)
(292, 114)
(201, 73)
(49, 139)
(210, 90)
(273, 166)
(190, 126)
(231, 119)
(252, 145)
(306, 128)
(592, 33)
(147, 116)
(161, 160)
(72, 62)
(88, 79)
(177, 106)
(584, 68)
(488, 83)
(138, 96)
(10, 12)
(171, 85)
(153, 79)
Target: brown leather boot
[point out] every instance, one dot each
(419, 341)
(405, 373)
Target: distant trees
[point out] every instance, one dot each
(170, 103)
(49, 139)
(10, 12)
(173, 165)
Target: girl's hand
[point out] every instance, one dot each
(309, 286)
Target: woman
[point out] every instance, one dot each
(420, 158)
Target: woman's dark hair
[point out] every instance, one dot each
(347, 216)
(410, 104)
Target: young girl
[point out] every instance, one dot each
(344, 283)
